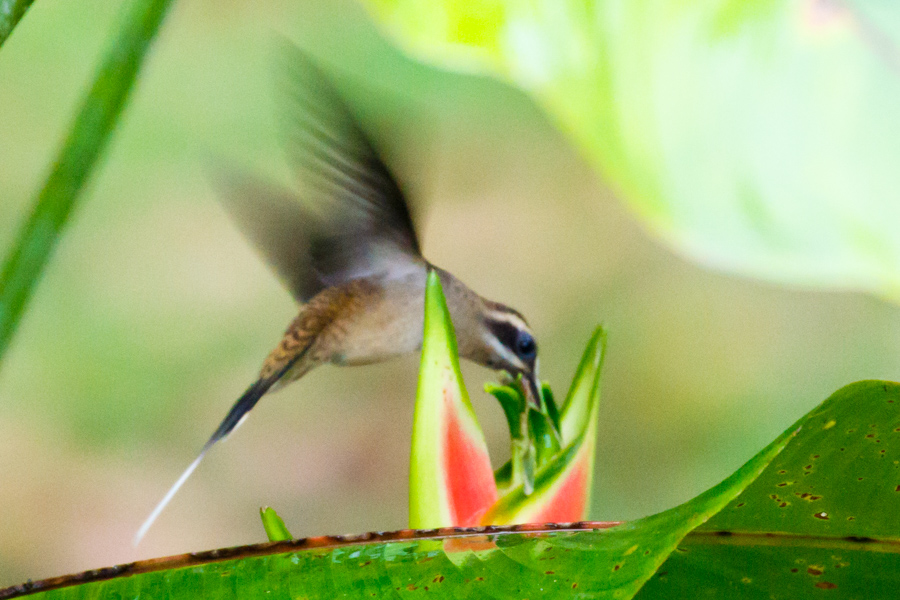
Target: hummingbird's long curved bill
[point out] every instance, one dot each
(234, 418)
(532, 391)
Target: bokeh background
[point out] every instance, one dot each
(155, 314)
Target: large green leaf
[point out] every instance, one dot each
(542, 562)
(88, 136)
(757, 137)
(822, 516)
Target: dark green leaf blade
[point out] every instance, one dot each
(86, 140)
(776, 567)
(822, 516)
(843, 464)
(11, 12)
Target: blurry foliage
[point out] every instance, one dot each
(86, 139)
(760, 138)
(11, 12)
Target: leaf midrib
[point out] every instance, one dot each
(789, 540)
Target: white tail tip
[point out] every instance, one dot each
(166, 499)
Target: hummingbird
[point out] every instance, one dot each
(345, 245)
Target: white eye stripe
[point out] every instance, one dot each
(510, 318)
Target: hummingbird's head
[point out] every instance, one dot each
(510, 344)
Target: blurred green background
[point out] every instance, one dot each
(155, 314)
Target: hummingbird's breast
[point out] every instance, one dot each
(388, 322)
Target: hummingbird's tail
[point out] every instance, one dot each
(239, 411)
(234, 418)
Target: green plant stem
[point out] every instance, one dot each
(275, 528)
(86, 140)
(11, 11)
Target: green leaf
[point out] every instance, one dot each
(11, 11)
(549, 403)
(512, 403)
(523, 461)
(755, 137)
(451, 481)
(822, 516)
(546, 442)
(532, 563)
(582, 405)
(275, 528)
(86, 140)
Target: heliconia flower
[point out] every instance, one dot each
(451, 481)
(548, 477)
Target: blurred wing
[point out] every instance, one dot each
(279, 226)
(349, 218)
(364, 225)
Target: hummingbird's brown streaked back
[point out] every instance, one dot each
(345, 245)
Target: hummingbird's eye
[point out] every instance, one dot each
(526, 348)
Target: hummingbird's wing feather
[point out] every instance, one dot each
(364, 226)
(349, 219)
(278, 225)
